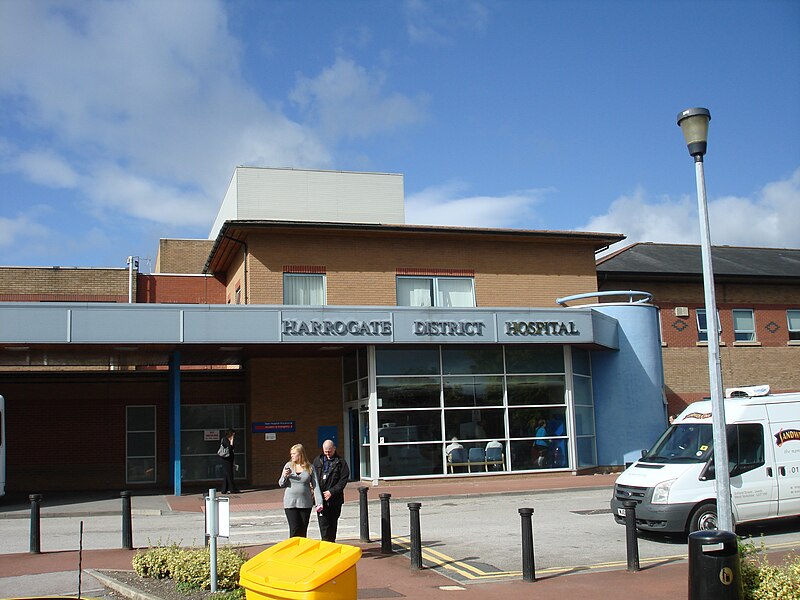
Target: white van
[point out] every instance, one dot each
(673, 483)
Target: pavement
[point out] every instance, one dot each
(379, 575)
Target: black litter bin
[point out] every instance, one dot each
(714, 568)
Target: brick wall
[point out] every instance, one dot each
(361, 270)
(65, 284)
(184, 289)
(305, 390)
(67, 431)
(182, 256)
(771, 360)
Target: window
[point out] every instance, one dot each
(702, 325)
(202, 427)
(303, 289)
(744, 328)
(435, 291)
(140, 444)
(793, 320)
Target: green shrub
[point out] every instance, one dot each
(190, 568)
(762, 580)
(155, 561)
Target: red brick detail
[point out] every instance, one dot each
(305, 269)
(60, 298)
(436, 272)
(180, 289)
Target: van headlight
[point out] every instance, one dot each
(661, 492)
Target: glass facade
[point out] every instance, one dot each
(140, 444)
(505, 408)
(202, 427)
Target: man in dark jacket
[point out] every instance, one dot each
(332, 474)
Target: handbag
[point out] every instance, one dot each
(224, 451)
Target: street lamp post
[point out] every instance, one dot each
(694, 124)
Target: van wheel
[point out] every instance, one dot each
(704, 517)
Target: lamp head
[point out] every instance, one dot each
(694, 124)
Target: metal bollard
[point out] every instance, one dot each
(528, 564)
(35, 546)
(631, 538)
(416, 538)
(386, 524)
(364, 517)
(127, 530)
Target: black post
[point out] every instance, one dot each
(35, 546)
(127, 530)
(528, 565)
(364, 517)
(416, 538)
(631, 539)
(386, 525)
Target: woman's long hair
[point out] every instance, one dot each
(303, 461)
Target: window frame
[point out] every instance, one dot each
(793, 334)
(129, 431)
(702, 334)
(749, 334)
(323, 278)
(434, 288)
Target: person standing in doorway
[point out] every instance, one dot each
(226, 455)
(302, 491)
(333, 474)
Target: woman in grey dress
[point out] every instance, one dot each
(301, 493)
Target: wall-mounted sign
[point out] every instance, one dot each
(273, 426)
(211, 435)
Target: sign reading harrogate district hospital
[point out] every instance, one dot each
(432, 326)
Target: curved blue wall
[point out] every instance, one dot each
(628, 384)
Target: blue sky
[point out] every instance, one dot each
(121, 122)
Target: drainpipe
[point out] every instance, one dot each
(133, 262)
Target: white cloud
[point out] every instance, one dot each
(154, 88)
(46, 168)
(21, 227)
(347, 100)
(448, 205)
(768, 219)
(436, 23)
(112, 188)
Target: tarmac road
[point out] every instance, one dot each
(472, 537)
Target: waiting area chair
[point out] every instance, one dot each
(495, 460)
(477, 456)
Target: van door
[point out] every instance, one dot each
(786, 443)
(753, 485)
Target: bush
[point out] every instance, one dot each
(155, 561)
(762, 580)
(190, 568)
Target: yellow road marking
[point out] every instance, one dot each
(473, 573)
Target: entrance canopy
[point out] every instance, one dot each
(76, 333)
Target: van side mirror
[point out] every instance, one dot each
(644, 453)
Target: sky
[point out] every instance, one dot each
(121, 122)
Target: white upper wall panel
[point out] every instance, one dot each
(227, 212)
(317, 196)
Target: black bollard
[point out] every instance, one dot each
(35, 546)
(127, 530)
(416, 538)
(631, 538)
(386, 525)
(528, 565)
(364, 517)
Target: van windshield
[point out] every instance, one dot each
(682, 443)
